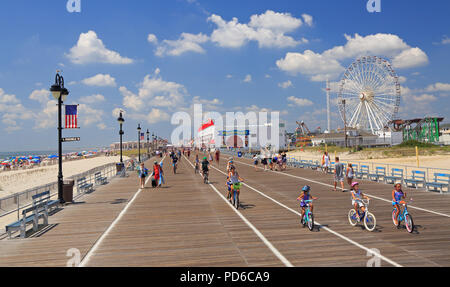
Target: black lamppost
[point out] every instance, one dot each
(59, 93)
(121, 133)
(148, 143)
(153, 141)
(139, 141)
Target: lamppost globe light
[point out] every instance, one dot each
(56, 91)
(64, 94)
(139, 127)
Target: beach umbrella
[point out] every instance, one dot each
(53, 156)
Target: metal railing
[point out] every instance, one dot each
(16, 202)
(407, 169)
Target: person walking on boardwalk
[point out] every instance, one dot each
(256, 161)
(350, 175)
(143, 173)
(217, 156)
(326, 162)
(339, 174)
(157, 173)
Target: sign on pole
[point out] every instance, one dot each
(70, 139)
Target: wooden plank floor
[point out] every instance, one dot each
(186, 223)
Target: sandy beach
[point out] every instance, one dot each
(16, 181)
(432, 161)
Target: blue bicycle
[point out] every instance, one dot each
(308, 217)
(403, 216)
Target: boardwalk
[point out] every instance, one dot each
(188, 223)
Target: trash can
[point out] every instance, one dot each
(119, 167)
(68, 190)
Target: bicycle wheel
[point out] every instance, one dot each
(236, 201)
(310, 221)
(353, 217)
(370, 221)
(409, 223)
(395, 220)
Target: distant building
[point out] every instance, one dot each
(444, 131)
(354, 138)
(244, 137)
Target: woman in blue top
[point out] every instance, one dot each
(306, 196)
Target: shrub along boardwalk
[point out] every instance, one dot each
(187, 223)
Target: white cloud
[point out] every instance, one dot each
(299, 102)
(157, 115)
(308, 19)
(92, 99)
(267, 76)
(248, 79)
(309, 63)
(186, 43)
(101, 126)
(100, 80)
(152, 39)
(229, 76)
(90, 49)
(327, 65)
(438, 87)
(402, 79)
(268, 29)
(42, 96)
(89, 115)
(154, 92)
(413, 57)
(12, 110)
(445, 40)
(285, 85)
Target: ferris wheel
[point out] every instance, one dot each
(369, 94)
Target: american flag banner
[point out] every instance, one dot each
(71, 117)
(142, 137)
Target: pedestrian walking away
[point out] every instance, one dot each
(339, 174)
(350, 175)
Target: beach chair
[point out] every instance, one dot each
(418, 177)
(441, 180)
(396, 175)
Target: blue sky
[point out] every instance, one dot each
(154, 58)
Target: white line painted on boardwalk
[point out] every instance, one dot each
(369, 250)
(326, 184)
(252, 227)
(113, 224)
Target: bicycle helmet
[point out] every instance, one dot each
(355, 183)
(306, 188)
(204, 158)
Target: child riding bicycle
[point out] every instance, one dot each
(304, 197)
(397, 196)
(357, 197)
